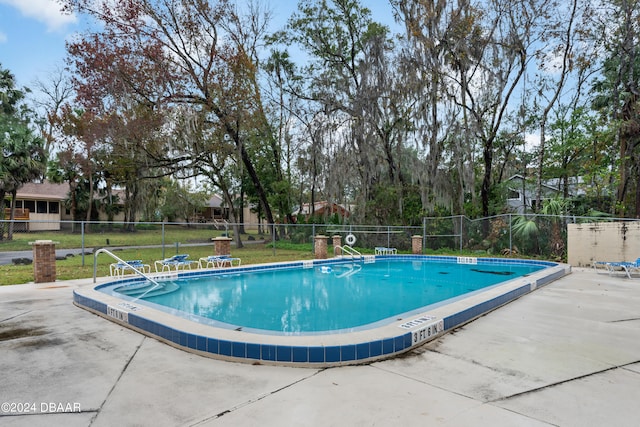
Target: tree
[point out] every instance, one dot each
(506, 53)
(618, 95)
(180, 89)
(556, 208)
(23, 158)
(564, 50)
(569, 149)
(166, 54)
(56, 91)
(358, 92)
(212, 157)
(435, 60)
(181, 202)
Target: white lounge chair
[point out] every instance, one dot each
(614, 267)
(175, 262)
(213, 261)
(121, 268)
(381, 250)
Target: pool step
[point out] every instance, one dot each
(146, 289)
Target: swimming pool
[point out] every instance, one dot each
(341, 312)
(321, 299)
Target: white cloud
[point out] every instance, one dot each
(3, 37)
(45, 11)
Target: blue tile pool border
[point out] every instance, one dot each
(391, 341)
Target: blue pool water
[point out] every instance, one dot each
(328, 298)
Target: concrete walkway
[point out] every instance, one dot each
(565, 355)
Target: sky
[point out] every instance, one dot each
(33, 34)
(32, 38)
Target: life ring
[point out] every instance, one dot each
(350, 239)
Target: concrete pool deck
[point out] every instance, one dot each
(567, 354)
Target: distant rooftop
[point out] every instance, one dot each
(43, 191)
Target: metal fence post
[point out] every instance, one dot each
(510, 235)
(163, 240)
(82, 239)
(273, 238)
(461, 225)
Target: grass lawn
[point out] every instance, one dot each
(116, 237)
(73, 268)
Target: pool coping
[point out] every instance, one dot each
(317, 350)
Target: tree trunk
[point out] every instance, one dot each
(487, 155)
(2, 224)
(233, 212)
(90, 208)
(12, 215)
(74, 204)
(262, 195)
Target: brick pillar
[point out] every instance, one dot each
(320, 248)
(222, 245)
(337, 245)
(44, 261)
(416, 245)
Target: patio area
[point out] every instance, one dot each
(567, 354)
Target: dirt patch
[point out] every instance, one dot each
(7, 332)
(38, 343)
(18, 336)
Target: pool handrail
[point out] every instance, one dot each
(117, 258)
(346, 249)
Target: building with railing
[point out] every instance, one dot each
(41, 204)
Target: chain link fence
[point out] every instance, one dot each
(540, 236)
(536, 236)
